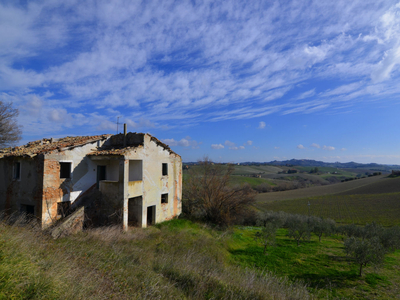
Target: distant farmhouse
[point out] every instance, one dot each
(130, 179)
(395, 173)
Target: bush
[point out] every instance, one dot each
(207, 195)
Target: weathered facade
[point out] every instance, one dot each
(134, 179)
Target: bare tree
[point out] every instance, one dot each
(207, 194)
(10, 131)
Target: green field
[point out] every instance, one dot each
(247, 170)
(253, 181)
(360, 201)
(322, 190)
(323, 266)
(358, 209)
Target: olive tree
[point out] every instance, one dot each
(322, 226)
(365, 251)
(299, 228)
(10, 132)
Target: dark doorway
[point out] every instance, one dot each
(151, 215)
(101, 174)
(135, 211)
(28, 210)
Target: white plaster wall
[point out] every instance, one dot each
(83, 172)
(155, 184)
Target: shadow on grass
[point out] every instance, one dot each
(334, 279)
(289, 261)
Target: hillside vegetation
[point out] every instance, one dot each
(359, 201)
(325, 190)
(358, 209)
(173, 260)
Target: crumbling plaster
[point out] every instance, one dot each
(134, 171)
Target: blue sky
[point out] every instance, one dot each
(234, 80)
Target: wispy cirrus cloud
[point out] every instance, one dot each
(180, 63)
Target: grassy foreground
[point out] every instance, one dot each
(173, 260)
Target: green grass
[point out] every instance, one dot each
(358, 209)
(173, 260)
(331, 170)
(180, 259)
(247, 170)
(252, 181)
(322, 266)
(320, 190)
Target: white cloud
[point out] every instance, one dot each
(315, 145)
(229, 143)
(343, 149)
(217, 146)
(58, 115)
(182, 143)
(249, 142)
(232, 146)
(300, 146)
(276, 148)
(261, 125)
(228, 59)
(307, 94)
(329, 148)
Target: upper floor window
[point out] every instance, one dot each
(164, 198)
(17, 171)
(65, 170)
(164, 169)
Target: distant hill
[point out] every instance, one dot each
(348, 165)
(315, 163)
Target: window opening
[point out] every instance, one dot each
(63, 208)
(164, 198)
(65, 170)
(17, 170)
(164, 169)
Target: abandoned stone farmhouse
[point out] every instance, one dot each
(132, 179)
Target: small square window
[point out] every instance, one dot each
(165, 169)
(164, 198)
(63, 208)
(17, 170)
(65, 170)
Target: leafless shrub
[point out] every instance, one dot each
(10, 132)
(208, 196)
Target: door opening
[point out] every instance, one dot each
(151, 215)
(101, 174)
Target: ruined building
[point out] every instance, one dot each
(132, 179)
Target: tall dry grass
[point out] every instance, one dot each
(175, 260)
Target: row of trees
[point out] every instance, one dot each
(207, 196)
(365, 245)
